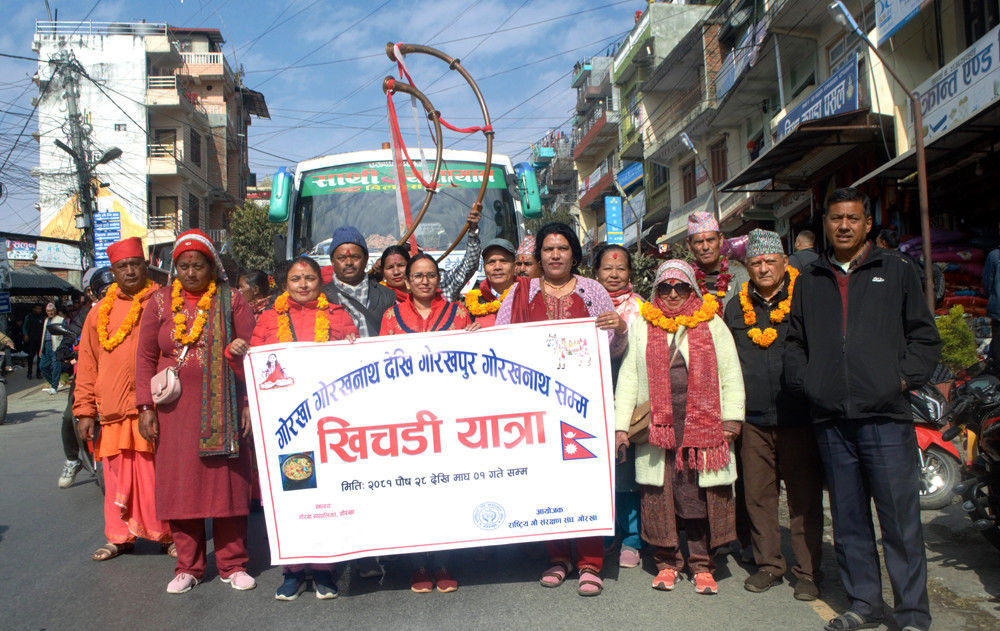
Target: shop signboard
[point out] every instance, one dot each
(837, 95)
(4, 302)
(890, 15)
(21, 250)
(613, 219)
(966, 85)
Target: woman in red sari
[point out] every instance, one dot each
(561, 294)
(393, 267)
(202, 454)
(302, 314)
(426, 310)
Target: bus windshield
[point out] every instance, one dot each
(363, 195)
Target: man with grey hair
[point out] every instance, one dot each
(777, 444)
(860, 337)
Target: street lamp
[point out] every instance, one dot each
(840, 15)
(85, 199)
(715, 190)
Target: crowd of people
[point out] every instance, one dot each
(731, 379)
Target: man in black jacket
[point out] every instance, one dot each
(365, 299)
(777, 442)
(860, 337)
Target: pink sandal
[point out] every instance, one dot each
(555, 575)
(590, 583)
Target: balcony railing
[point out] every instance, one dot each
(100, 28)
(206, 59)
(596, 116)
(163, 222)
(162, 151)
(161, 83)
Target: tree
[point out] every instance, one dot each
(251, 237)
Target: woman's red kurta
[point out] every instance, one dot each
(189, 486)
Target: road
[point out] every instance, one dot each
(49, 582)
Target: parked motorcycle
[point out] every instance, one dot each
(976, 410)
(940, 462)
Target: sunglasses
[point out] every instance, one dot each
(683, 290)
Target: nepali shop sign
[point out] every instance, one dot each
(969, 83)
(891, 15)
(433, 441)
(837, 95)
(381, 176)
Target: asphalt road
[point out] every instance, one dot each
(47, 580)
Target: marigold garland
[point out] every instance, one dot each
(721, 281)
(322, 330)
(180, 320)
(704, 313)
(768, 336)
(477, 308)
(131, 318)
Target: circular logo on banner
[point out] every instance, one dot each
(488, 516)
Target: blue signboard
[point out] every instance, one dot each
(613, 219)
(837, 95)
(629, 176)
(4, 302)
(890, 15)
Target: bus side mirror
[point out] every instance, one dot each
(531, 203)
(281, 197)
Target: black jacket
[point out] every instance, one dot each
(380, 300)
(65, 352)
(769, 402)
(854, 365)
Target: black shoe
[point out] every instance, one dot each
(805, 589)
(29, 376)
(761, 581)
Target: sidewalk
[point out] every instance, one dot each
(28, 399)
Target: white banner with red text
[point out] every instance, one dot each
(412, 443)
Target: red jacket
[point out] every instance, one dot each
(303, 320)
(444, 316)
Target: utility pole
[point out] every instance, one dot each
(77, 134)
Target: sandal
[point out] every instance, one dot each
(590, 583)
(111, 550)
(849, 621)
(557, 573)
(169, 549)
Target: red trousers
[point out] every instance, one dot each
(229, 535)
(589, 552)
(129, 501)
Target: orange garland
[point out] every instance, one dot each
(768, 336)
(480, 309)
(704, 313)
(131, 318)
(180, 320)
(322, 331)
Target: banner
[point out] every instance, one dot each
(433, 441)
(381, 176)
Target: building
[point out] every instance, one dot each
(168, 99)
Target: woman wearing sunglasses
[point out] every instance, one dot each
(682, 359)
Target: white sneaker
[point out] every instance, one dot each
(69, 471)
(51, 390)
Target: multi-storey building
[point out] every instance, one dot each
(168, 99)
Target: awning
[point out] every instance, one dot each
(954, 149)
(796, 159)
(32, 280)
(254, 103)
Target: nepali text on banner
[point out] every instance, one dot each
(433, 441)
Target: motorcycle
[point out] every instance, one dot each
(976, 410)
(940, 462)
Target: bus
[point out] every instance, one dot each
(359, 189)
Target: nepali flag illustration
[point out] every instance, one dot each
(572, 450)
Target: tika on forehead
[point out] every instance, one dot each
(614, 255)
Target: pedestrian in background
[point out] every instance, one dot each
(804, 254)
(861, 336)
(32, 331)
(777, 442)
(50, 366)
(682, 360)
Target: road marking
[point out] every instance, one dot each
(823, 610)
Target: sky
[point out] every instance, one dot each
(320, 65)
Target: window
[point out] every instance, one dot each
(194, 147)
(184, 45)
(980, 17)
(194, 211)
(689, 185)
(120, 127)
(164, 142)
(660, 175)
(720, 161)
(166, 207)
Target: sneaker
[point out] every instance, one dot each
(51, 390)
(69, 471)
(183, 582)
(666, 579)
(240, 580)
(705, 584)
(805, 589)
(291, 587)
(369, 567)
(761, 581)
(421, 582)
(29, 376)
(629, 557)
(326, 589)
(445, 583)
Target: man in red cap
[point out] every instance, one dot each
(105, 388)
